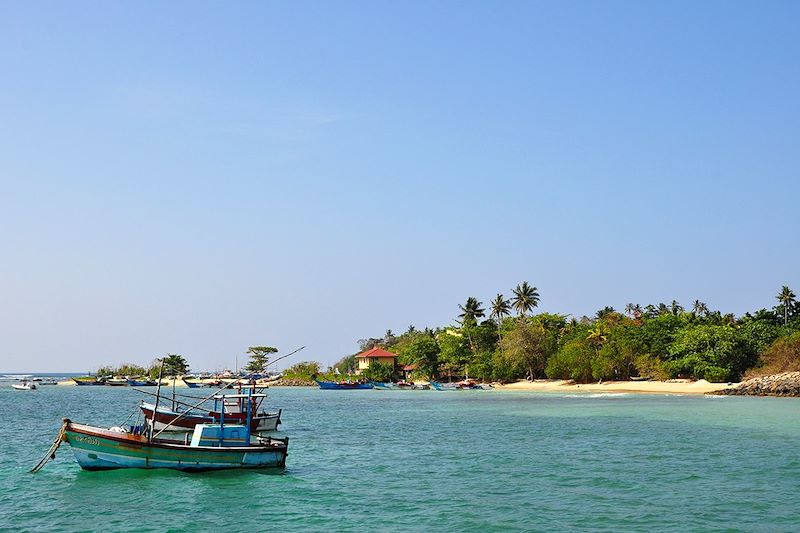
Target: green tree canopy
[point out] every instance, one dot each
(174, 365)
(377, 371)
(259, 358)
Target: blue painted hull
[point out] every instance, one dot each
(99, 449)
(331, 385)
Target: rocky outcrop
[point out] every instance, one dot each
(784, 384)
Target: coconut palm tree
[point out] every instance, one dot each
(699, 308)
(786, 297)
(471, 311)
(500, 308)
(525, 298)
(629, 309)
(675, 307)
(597, 336)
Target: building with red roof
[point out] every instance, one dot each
(364, 359)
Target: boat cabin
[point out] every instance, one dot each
(220, 435)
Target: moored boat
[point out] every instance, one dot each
(343, 385)
(141, 382)
(88, 380)
(212, 447)
(192, 384)
(25, 385)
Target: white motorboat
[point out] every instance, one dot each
(25, 385)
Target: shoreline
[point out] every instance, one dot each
(699, 387)
(688, 387)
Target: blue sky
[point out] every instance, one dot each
(196, 178)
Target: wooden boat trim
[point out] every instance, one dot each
(129, 438)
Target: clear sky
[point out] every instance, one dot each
(196, 178)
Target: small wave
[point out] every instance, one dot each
(604, 395)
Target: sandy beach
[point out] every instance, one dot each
(653, 387)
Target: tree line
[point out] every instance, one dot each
(507, 342)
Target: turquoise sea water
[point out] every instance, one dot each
(426, 460)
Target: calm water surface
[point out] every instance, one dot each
(419, 460)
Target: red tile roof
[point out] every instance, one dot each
(409, 368)
(377, 352)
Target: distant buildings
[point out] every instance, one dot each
(364, 359)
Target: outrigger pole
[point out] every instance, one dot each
(285, 356)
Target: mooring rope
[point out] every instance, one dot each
(51, 453)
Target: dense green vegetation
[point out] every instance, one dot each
(655, 341)
(174, 365)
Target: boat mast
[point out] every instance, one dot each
(155, 408)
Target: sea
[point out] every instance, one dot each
(429, 461)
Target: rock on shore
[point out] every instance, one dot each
(783, 384)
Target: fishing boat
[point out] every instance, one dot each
(343, 385)
(210, 446)
(467, 384)
(88, 380)
(260, 422)
(25, 385)
(192, 384)
(141, 382)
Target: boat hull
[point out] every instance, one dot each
(85, 383)
(331, 385)
(98, 449)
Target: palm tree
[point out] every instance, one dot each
(675, 307)
(699, 308)
(525, 298)
(500, 308)
(786, 297)
(597, 336)
(629, 309)
(471, 311)
(604, 312)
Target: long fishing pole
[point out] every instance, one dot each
(285, 356)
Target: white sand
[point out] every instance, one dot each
(653, 387)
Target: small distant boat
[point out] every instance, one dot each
(467, 384)
(116, 382)
(25, 385)
(400, 385)
(343, 385)
(193, 384)
(141, 382)
(89, 380)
